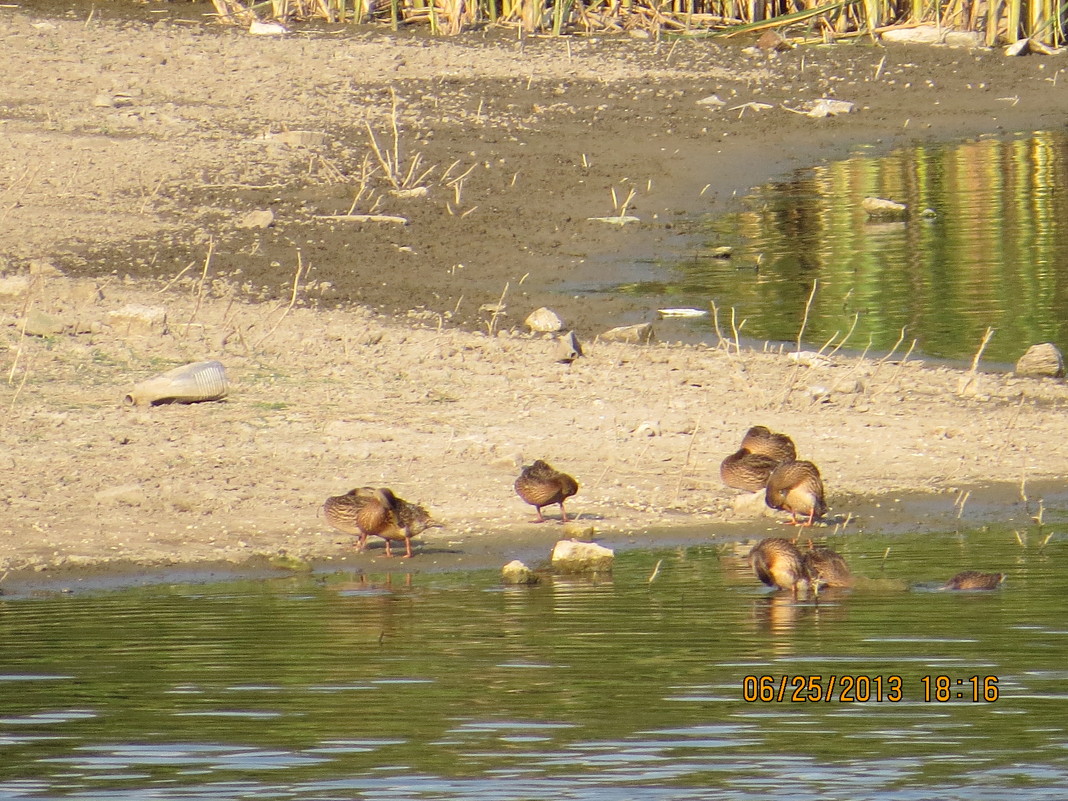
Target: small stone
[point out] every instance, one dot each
(44, 267)
(1041, 361)
(40, 324)
(515, 572)
(259, 218)
(881, 207)
(634, 334)
(568, 348)
(135, 318)
(544, 320)
(649, 428)
(14, 285)
(711, 100)
(570, 556)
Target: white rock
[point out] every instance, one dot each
(881, 207)
(921, 34)
(570, 556)
(257, 218)
(1041, 361)
(544, 320)
(135, 318)
(14, 285)
(634, 334)
(515, 572)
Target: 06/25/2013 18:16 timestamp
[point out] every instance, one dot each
(859, 688)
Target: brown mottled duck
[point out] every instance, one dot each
(541, 485)
(361, 512)
(367, 511)
(747, 471)
(796, 487)
(826, 568)
(763, 441)
(974, 580)
(409, 520)
(778, 563)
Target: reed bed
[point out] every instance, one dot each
(999, 21)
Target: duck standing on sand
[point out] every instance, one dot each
(974, 580)
(749, 467)
(368, 511)
(409, 520)
(796, 487)
(361, 511)
(778, 563)
(540, 485)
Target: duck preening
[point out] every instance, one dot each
(796, 487)
(540, 485)
(370, 511)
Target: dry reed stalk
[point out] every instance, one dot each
(292, 303)
(686, 463)
(962, 499)
(982, 346)
(492, 325)
(800, 334)
(656, 572)
(200, 284)
(171, 283)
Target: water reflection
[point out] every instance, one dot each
(993, 253)
(451, 686)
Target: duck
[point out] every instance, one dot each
(747, 471)
(409, 520)
(796, 487)
(825, 567)
(762, 440)
(540, 484)
(778, 563)
(361, 511)
(974, 580)
(371, 511)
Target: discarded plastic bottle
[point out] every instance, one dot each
(190, 383)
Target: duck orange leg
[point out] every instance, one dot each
(563, 514)
(407, 548)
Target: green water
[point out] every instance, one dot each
(993, 253)
(450, 686)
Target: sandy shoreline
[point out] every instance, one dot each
(328, 395)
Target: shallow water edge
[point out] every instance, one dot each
(948, 509)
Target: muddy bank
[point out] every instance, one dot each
(129, 170)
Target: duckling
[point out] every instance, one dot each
(361, 511)
(778, 563)
(796, 487)
(540, 485)
(825, 568)
(747, 471)
(761, 440)
(974, 580)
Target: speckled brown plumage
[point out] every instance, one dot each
(361, 512)
(540, 485)
(796, 487)
(761, 440)
(370, 511)
(778, 563)
(747, 471)
(826, 568)
(409, 520)
(974, 580)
